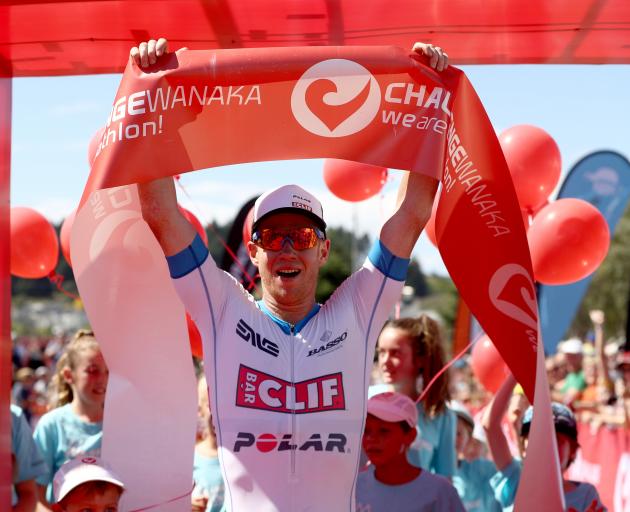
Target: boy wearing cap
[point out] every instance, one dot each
(288, 376)
(86, 484)
(472, 477)
(578, 496)
(390, 482)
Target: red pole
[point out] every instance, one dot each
(5, 294)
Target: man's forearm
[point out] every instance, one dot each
(415, 200)
(160, 211)
(416, 194)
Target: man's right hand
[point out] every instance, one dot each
(147, 53)
(158, 198)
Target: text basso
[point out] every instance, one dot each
(328, 345)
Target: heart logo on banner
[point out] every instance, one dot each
(505, 279)
(320, 100)
(335, 98)
(108, 227)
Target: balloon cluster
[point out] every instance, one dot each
(568, 238)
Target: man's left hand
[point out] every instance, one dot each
(438, 58)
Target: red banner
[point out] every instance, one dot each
(370, 104)
(604, 461)
(374, 105)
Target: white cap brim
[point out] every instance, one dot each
(385, 412)
(83, 474)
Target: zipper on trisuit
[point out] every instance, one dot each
(293, 418)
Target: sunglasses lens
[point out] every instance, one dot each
(300, 238)
(271, 239)
(304, 238)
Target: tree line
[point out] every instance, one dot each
(609, 289)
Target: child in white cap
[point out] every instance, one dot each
(390, 482)
(86, 483)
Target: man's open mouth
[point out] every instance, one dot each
(288, 273)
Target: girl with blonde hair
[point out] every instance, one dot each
(410, 353)
(74, 425)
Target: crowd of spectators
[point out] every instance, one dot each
(34, 360)
(590, 378)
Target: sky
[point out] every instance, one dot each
(584, 108)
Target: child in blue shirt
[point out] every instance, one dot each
(410, 353)
(579, 496)
(74, 427)
(472, 477)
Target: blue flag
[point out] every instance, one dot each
(602, 179)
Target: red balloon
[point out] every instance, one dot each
(534, 161)
(34, 244)
(93, 145)
(196, 347)
(568, 240)
(190, 217)
(353, 181)
(429, 229)
(247, 226)
(487, 364)
(64, 236)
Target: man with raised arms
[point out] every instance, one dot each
(287, 376)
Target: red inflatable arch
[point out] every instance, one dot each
(48, 38)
